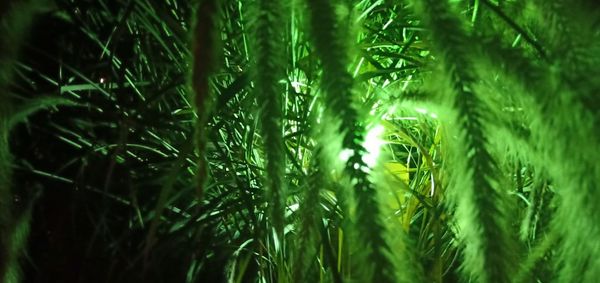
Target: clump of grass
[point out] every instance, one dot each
(337, 84)
(15, 22)
(566, 74)
(337, 227)
(475, 183)
(269, 71)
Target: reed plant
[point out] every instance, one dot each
(299, 141)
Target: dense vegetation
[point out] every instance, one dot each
(299, 141)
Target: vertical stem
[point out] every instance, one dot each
(204, 51)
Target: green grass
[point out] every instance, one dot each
(300, 141)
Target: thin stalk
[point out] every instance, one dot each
(204, 64)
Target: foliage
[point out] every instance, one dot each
(299, 141)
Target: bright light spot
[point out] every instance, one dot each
(372, 144)
(374, 108)
(421, 110)
(293, 207)
(426, 112)
(297, 85)
(345, 154)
